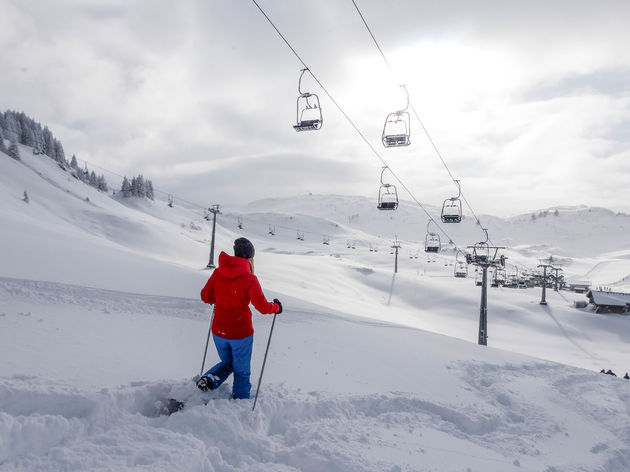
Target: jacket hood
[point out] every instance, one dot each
(231, 267)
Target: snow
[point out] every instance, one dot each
(100, 322)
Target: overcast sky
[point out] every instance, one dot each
(527, 102)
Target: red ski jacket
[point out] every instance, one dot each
(231, 288)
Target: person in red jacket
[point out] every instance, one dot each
(231, 288)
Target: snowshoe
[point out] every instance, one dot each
(168, 406)
(204, 384)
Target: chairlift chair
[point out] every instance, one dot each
(308, 110)
(300, 236)
(494, 282)
(461, 269)
(326, 240)
(396, 130)
(170, 201)
(240, 223)
(387, 195)
(480, 254)
(452, 208)
(432, 241)
(272, 230)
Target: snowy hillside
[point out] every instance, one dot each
(100, 322)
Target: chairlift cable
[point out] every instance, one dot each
(196, 205)
(341, 110)
(426, 131)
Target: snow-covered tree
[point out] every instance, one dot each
(27, 137)
(101, 183)
(48, 143)
(3, 147)
(141, 190)
(73, 163)
(149, 186)
(14, 152)
(93, 181)
(138, 187)
(126, 187)
(11, 126)
(60, 155)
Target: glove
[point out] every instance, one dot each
(277, 302)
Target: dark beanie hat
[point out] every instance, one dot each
(244, 248)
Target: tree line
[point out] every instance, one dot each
(17, 127)
(137, 187)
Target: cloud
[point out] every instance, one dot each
(244, 180)
(198, 96)
(611, 82)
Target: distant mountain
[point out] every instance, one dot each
(564, 231)
(591, 242)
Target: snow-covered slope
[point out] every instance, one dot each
(589, 243)
(100, 321)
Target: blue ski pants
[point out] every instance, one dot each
(236, 356)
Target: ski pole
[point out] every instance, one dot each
(205, 352)
(264, 361)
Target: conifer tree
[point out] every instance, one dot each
(14, 152)
(134, 187)
(73, 163)
(140, 186)
(126, 187)
(84, 174)
(48, 143)
(149, 186)
(60, 155)
(11, 126)
(93, 181)
(102, 183)
(3, 147)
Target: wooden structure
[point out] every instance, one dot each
(579, 286)
(609, 302)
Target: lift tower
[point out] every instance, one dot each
(396, 247)
(545, 266)
(215, 211)
(483, 255)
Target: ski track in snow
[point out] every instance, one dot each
(341, 393)
(309, 431)
(503, 425)
(53, 293)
